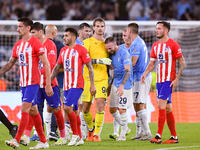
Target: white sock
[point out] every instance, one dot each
(124, 120)
(48, 122)
(83, 125)
(116, 127)
(142, 114)
(138, 126)
(117, 117)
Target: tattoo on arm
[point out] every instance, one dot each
(181, 67)
(55, 71)
(9, 65)
(91, 71)
(126, 76)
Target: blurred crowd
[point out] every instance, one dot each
(107, 9)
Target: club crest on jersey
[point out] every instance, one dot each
(27, 48)
(74, 53)
(21, 57)
(167, 49)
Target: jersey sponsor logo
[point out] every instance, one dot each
(21, 57)
(67, 62)
(95, 43)
(179, 51)
(41, 49)
(52, 52)
(162, 61)
(68, 69)
(160, 56)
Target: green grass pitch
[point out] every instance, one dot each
(188, 134)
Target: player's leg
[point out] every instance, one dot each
(164, 95)
(171, 125)
(83, 123)
(12, 128)
(86, 98)
(101, 96)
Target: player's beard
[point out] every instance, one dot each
(161, 36)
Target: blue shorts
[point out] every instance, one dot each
(164, 91)
(53, 101)
(72, 96)
(29, 94)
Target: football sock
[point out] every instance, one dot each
(73, 122)
(79, 126)
(142, 114)
(171, 123)
(138, 126)
(99, 119)
(29, 127)
(117, 117)
(88, 119)
(60, 123)
(39, 128)
(5, 121)
(161, 121)
(124, 120)
(54, 125)
(116, 126)
(22, 125)
(83, 124)
(48, 122)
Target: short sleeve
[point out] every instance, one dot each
(135, 50)
(86, 44)
(153, 54)
(126, 58)
(177, 50)
(14, 53)
(38, 47)
(85, 55)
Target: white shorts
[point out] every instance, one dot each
(121, 102)
(141, 91)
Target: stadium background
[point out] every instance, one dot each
(186, 33)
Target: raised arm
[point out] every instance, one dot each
(8, 66)
(48, 88)
(91, 74)
(181, 61)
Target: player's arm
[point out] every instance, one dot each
(91, 74)
(105, 61)
(8, 66)
(55, 71)
(48, 88)
(120, 90)
(181, 61)
(134, 60)
(149, 68)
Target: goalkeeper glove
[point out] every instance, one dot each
(105, 61)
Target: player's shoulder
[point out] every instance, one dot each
(172, 41)
(80, 47)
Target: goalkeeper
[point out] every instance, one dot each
(99, 55)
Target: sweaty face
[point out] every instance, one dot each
(160, 31)
(111, 47)
(85, 32)
(67, 38)
(99, 28)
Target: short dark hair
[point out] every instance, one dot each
(84, 24)
(134, 27)
(72, 30)
(165, 24)
(109, 39)
(98, 20)
(38, 26)
(26, 21)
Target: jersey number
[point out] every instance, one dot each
(123, 100)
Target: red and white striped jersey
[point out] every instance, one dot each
(28, 54)
(166, 55)
(72, 60)
(51, 53)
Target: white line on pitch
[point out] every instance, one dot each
(178, 147)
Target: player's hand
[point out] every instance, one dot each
(120, 90)
(143, 79)
(49, 91)
(105, 61)
(93, 90)
(173, 85)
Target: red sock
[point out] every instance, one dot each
(161, 120)
(171, 124)
(38, 126)
(73, 122)
(29, 126)
(22, 125)
(79, 126)
(60, 123)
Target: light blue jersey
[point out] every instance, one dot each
(124, 47)
(138, 48)
(119, 60)
(78, 41)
